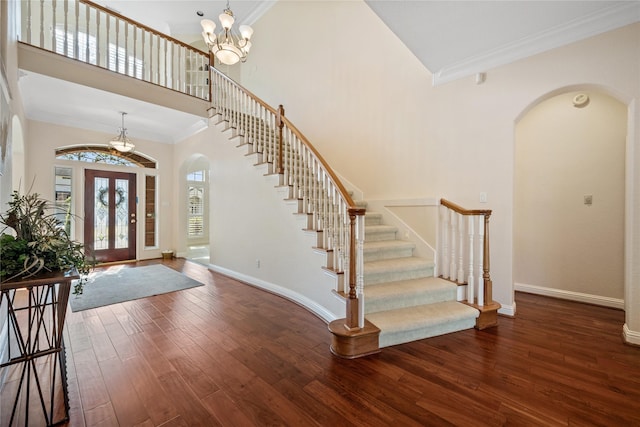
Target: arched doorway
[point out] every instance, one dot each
(113, 191)
(569, 199)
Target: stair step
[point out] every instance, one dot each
(408, 293)
(375, 233)
(387, 249)
(423, 321)
(372, 218)
(396, 269)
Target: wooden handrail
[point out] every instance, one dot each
(334, 178)
(463, 211)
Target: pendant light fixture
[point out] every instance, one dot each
(229, 48)
(121, 142)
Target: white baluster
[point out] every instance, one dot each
(480, 260)
(99, 41)
(453, 268)
(65, 7)
(445, 242)
(27, 37)
(76, 42)
(460, 274)
(135, 52)
(470, 279)
(41, 23)
(146, 75)
(360, 267)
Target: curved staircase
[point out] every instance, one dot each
(402, 299)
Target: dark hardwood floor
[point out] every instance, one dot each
(227, 354)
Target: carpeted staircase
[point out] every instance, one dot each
(402, 298)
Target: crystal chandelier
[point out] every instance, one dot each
(226, 46)
(121, 142)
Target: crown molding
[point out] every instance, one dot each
(257, 13)
(616, 16)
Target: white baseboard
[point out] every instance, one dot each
(570, 295)
(630, 337)
(299, 299)
(507, 310)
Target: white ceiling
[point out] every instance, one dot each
(452, 39)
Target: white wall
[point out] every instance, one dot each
(352, 88)
(368, 105)
(562, 154)
(250, 222)
(476, 131)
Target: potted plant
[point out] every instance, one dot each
(39, 242)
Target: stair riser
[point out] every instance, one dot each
(393, 275)
(388, 339)
(379, 236)
(372, 219)
(403, 301)
(388, 254)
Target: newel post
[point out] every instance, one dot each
(280, 125)
(354, 336)
(352, 320)
(489, 309)
(488, 291)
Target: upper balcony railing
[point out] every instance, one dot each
(88, 32)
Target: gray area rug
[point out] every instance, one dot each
(119, 284)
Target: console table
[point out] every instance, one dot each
(32, 357)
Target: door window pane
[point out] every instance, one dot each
(150, 211)
(122, 213)
(101, 213)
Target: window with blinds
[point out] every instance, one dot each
(87, 51)
(196, 211)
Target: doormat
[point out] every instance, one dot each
(120, 284)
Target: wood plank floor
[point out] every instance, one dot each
(227, 354)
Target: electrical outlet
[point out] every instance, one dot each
(588, 199)
(257, 263)
(483, 197)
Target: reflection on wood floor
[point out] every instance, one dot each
(232, 355)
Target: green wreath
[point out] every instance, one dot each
(103, 194)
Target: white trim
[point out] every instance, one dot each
(571, 295)
(618, 15)
(262, 8)
(300, 299)
(629, 336)
(507, 310)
